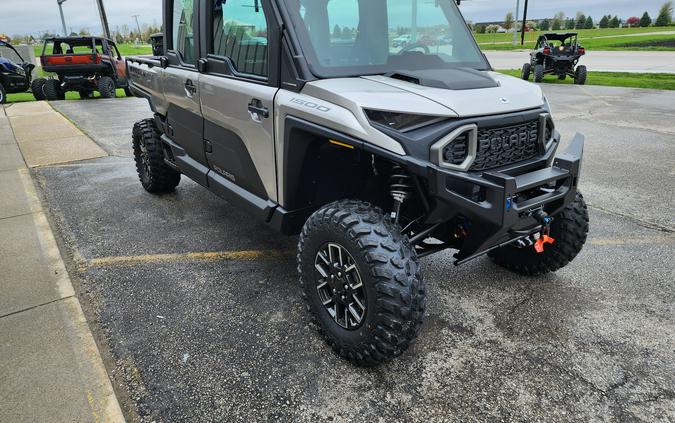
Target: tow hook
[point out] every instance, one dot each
(544, 236)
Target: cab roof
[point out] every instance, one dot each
(559, 36)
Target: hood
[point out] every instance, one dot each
(494, 94)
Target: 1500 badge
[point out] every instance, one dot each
(310, 105)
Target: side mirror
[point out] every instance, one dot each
(164, 62)
(203, 65)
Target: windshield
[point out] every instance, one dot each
(361, 37)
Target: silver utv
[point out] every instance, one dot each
(310, 115)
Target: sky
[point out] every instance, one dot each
(37, 16)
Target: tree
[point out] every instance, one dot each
(633, 21)
(604, 22)
(665, 17)
(545, 25)
(614, 22)
(508, 21)
(560, 16)
(570, 23)
(480, 28)
(491, 29)
(581, 20)
(589, 23)
(646, 20)
(337, 32)
(556, 25)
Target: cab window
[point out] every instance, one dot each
(184, 20)
(240, 33)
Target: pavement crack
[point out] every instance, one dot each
(638, 221)
(522, 302)
(35, 306)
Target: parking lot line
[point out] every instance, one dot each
(246, 255)
(253, 255)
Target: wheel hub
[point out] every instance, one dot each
(339, 286)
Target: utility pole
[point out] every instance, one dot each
(63, 20)
(104, 18)
(515, 31)
(137, 25)
(522, 33)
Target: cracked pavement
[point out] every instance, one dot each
(229, 340)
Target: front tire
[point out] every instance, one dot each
(3, 95)
(539, 73)
(107, 87)
(580, 75)
(156, 176)
(527, 70)
(569, 229)
(37, 87)
(372, 307)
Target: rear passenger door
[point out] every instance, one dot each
(181, 88)
(237, 94)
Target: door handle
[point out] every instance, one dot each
(256, 108)
(190, 87)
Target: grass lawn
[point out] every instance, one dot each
(656, 81)
(71, 95)
(590, 38)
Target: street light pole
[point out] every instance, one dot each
(63, 20)
(522, 33)
(104, 18)
(515, 32)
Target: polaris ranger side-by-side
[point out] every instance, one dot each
(556, 54)
(376, 155)
(14, 77)
(85, 65)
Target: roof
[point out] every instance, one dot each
(560, 36)
(78, 38)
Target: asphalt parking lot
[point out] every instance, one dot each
(200, 307)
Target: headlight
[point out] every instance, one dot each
(401, 121)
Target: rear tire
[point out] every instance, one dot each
(86, 95)
(569, 229)
(527, 70)
(3, 95)
(156, 176)
(52, 90)
(107, 87)
(385, 271)
(562, 77)
(539, 73)
(37, 87)
(580, 75)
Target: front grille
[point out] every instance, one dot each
(503, 146)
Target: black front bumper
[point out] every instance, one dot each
(500, 204)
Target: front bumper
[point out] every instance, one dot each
(501, 204)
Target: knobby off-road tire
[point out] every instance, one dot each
(37, 87)
(107, 87)
(155, 175)
(86, 95)
(580, 75)
(388, 269)
(569, 229)
(527, 70)
(539, 73)
(52, 90)
(3, 95)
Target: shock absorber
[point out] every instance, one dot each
(400, 187)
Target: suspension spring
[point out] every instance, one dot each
(400, 187)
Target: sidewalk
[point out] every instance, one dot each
(50, 367)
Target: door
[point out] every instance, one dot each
(185, 126)
(237, 95)
(119, 64)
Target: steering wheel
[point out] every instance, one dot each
(412, 47)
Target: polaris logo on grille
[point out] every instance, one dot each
(504, 100)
